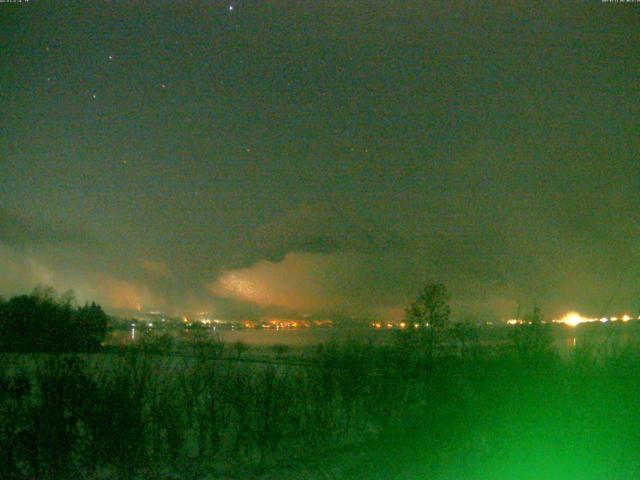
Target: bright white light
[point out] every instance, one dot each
(573, 319)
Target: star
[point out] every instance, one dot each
(94, 95)
(111, 57)
(231, 8)
(163, 85)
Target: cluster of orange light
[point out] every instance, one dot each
(323, 323)
(286, 323)
(390, 325)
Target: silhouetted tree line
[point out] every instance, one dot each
(530, 341)
(46, 322)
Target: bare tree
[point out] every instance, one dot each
(430, 313)
(431, 308)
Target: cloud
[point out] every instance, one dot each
(121, 293)
(21, 272)
(317, 259)
(155, 268)
(341, 283)
(319, 228)
(19, 231)
(65, 257)
(295, 283)
(313, 259)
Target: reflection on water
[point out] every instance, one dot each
(273, 336)
(565, 341)
(259, 336)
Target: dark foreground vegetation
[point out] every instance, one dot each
(360, 411)
(46, 322)
(435, 403)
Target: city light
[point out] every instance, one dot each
(573, 319)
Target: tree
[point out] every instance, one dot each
(40, 322)
(465, 333)
(430, 312)
(44, 293)
(68, 298)
(431, 307)
(91, 322)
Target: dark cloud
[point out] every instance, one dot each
(320, 228)
(19, 231)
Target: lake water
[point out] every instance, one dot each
(566, 340)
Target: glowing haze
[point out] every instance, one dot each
(322, 158)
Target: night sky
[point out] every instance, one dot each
(257, 158)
